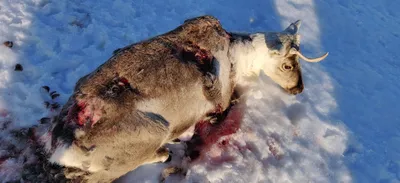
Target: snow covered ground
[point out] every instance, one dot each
(343, 128)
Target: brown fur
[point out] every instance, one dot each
(163, 68)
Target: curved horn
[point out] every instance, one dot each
(318, 59)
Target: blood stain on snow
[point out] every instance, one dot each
(210, 134)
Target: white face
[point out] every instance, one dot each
(283, 67)
(282, 63)
(274, 53)
(286, 72)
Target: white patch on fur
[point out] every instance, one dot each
(223, 73)
(72, 157)
(251, 58)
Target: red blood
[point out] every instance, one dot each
(83, 113)
(82, 116)
(202, 55)
(81, 104)
(211, 133)
(124, 81)
(76, 113)
(218, 109)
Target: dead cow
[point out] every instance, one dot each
(121, 115)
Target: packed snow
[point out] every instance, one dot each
(344, 127)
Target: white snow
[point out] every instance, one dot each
(280, 140)
(344, 127)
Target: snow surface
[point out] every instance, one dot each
(343, 128)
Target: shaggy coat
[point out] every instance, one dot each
(147, 94)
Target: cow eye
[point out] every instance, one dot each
(287, 67)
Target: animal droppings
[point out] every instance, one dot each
(9, 44)
(46, 88)
(18, 67)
